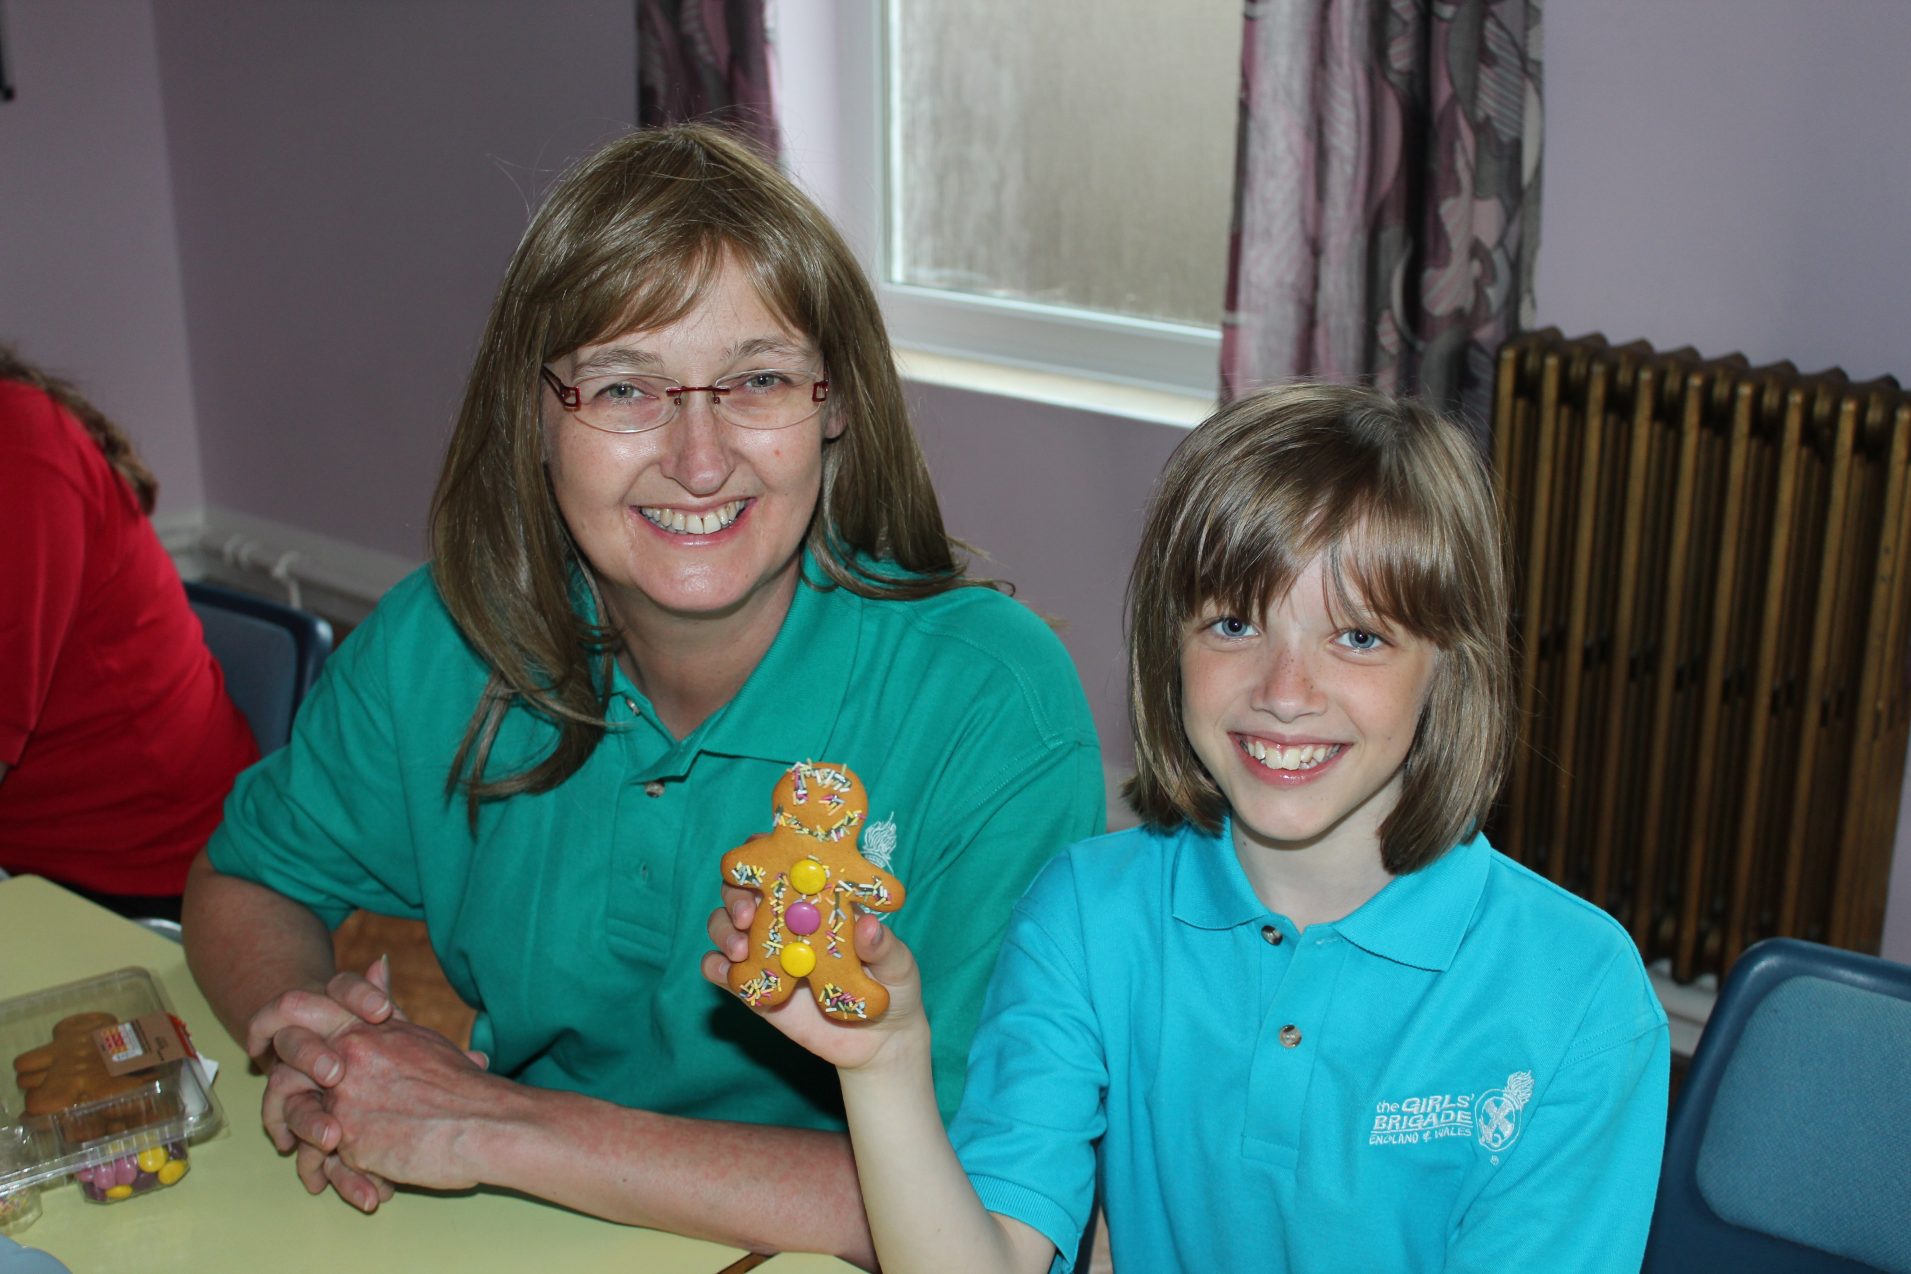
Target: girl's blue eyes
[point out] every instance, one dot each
(1235, 628)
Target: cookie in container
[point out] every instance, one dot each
(104, 1088)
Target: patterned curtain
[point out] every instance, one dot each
(1386, 213)
(700, 58)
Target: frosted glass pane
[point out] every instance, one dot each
(1067, 152)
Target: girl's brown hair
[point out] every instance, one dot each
(627, 241)
(1396, 501)
(114, 445)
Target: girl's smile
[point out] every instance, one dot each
(1304, 721)
(1289, 763)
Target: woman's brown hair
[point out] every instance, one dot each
(114, 445)
(1396, 501)
(627, 241)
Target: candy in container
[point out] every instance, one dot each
(106, 1089)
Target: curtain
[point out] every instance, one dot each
(698, 58)
(1386, 213)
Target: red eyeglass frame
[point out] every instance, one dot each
(572, 400)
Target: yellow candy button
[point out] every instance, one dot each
(120, 1192)
(153, 1160)
(809, 877)
(172, 1170)
(798, 959)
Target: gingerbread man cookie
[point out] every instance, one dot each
(813, 883)
(70, 1075)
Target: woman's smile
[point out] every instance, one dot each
(702, 524)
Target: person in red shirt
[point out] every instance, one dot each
(118, 741)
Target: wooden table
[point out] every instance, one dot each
(805, 1263)
(242, 1207)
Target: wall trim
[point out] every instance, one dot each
(331, 577)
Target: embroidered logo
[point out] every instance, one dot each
(1491, 1118)
(879, 841)
(879, 847)
(1413, 1120)
(1499, 1111)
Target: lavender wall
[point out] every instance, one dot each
(89, 275)
(1730, 174)
(1054, 496)
(351, 179)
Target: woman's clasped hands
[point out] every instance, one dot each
(363, 1098)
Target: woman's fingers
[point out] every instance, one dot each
(307, 1120)
(362, 1190)
(302, 1010)
(369, 997)
(285, 1083)
(296, 1029)
(309, 1054)
(310, 1163)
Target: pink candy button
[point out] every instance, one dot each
(803, 917)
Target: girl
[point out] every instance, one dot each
(1305, 1017)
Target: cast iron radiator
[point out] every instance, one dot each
(1711, 631)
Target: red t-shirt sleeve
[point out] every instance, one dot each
(43, 537)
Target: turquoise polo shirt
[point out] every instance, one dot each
(1468, 1073)
(574, 920)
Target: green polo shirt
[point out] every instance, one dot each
(574, 920)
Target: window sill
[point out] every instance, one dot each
(1129, 402)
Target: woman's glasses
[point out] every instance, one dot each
(625, 404)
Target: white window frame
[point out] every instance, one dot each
(835, 118)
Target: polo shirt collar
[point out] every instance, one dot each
(1418, 919)
(1210, 888)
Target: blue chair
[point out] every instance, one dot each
(1787, 1148)
(271, 654)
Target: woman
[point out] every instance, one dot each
(683, 539)
(117, 740)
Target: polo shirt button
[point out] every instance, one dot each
(1271, 935)
(654, 788)
(631, 704)
(1290, 1035)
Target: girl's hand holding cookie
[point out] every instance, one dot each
(885, 958)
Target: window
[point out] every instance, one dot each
(1045, 185)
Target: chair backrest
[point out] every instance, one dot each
(1786, 1152)
(271, 654)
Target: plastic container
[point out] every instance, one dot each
(120, 1094)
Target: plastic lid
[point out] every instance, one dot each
(119, 1021)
